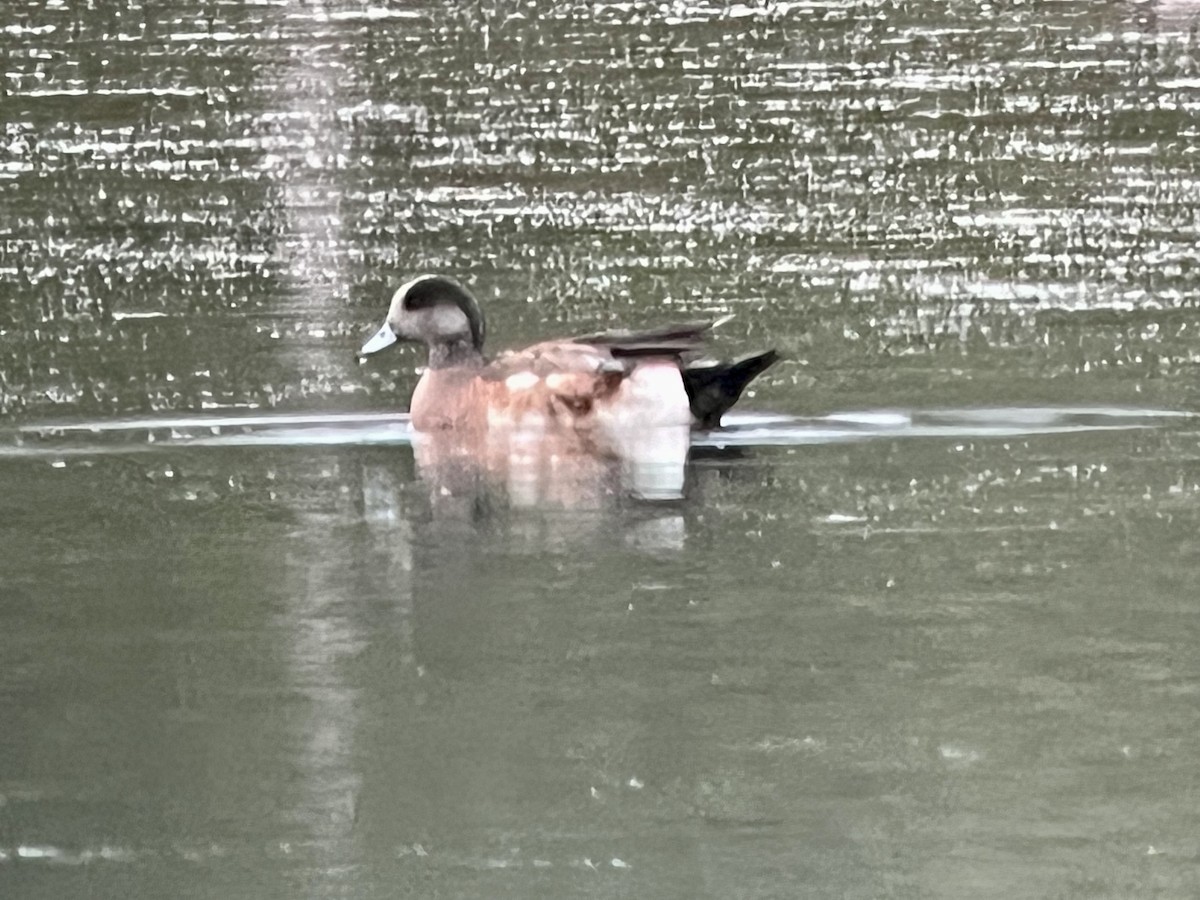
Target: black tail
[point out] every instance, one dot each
(714, 387)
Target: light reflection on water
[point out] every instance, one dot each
(740, 429)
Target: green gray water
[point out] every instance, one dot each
(955, 663)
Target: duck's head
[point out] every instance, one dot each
(436, 311)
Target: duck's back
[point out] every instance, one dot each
(581, 384)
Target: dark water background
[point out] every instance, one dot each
(955, 663)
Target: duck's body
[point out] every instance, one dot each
(593, 387)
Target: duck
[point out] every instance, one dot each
(590, 385)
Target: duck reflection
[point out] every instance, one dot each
(494, 578)
(531, 493)
(555, 469)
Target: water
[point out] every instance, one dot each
(922, 623)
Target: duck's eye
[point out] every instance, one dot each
(422, 295)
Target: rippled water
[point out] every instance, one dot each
(923, 624)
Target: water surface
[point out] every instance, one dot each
(923, 623)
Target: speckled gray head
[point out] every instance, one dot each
(436, 311)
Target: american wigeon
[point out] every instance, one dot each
(597, 382)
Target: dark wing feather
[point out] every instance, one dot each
(670, 340)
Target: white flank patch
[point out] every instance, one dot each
(557, 381)
(522, 381)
